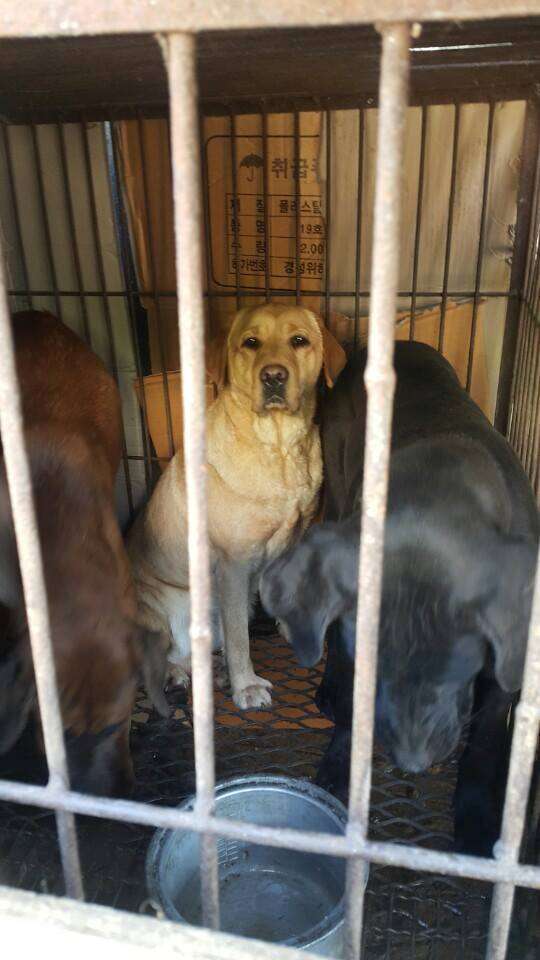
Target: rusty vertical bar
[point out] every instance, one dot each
(189, 273)
(35, 595)
(524, 381)
(524, 219)
(153, 285)
(532, 440)
(45, 218)
(517, 378)
(522, 757)
(206, 207)
(98, 253)
(328, 216)
(235, 204)
(266, 201)
(529, 365)
(418, 228)
(297, 219)
(128, 270)
(449, 226)
(60, 132)
(16, 215)
(531, 407)
(359, 212)
(380, 384)
(481, 244)
(512, 412)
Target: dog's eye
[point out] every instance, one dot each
(251, 343)
(299, 341)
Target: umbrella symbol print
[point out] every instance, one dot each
(252, 161)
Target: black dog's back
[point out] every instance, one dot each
(430, 403)
(432, 412)
(460, 552)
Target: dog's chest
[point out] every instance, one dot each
(256, 502)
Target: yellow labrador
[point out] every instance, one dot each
(264, 474)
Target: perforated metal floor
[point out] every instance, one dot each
(407, 915)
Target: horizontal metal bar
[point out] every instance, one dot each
(388, 854)
(50, 18)
(251, 292)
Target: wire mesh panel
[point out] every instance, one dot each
(524, 420)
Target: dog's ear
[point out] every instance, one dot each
(151, 649)
(216, 360)
(507, 612)
(310, 586)
(498, 590)
(334, 356)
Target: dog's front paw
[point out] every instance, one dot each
(253, 693)
(177, 677)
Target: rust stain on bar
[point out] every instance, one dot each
(185, 153)
(522, 757)
(35, 596)
(380, 384)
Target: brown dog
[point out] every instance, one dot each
(264, 474)
(72, 419)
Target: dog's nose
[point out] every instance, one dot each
(274, 376)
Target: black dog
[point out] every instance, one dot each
(460, 553)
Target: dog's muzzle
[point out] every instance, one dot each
(274, 386)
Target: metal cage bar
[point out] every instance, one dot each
(380, 384)
(418, 228)
(235, 213)
(16, 215)
(266, 204)
(385, 853)
(123, 241)
(328, 216)
(39, 19)
(359, 212)
(61, 140)
(83, 130)
(523, 237)
(524, 744)
(218, 294)
(35, 596)
(297, 218)
(355, 847)
(156, 298)
(449, 225)
(185, 153)
(481, 243)
(45, 217)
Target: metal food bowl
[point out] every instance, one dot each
(281, 896)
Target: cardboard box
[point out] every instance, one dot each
(155, 395)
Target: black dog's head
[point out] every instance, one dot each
(443, 616)
(312, 584)
(428, 660)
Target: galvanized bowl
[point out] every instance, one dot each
(282, 896)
